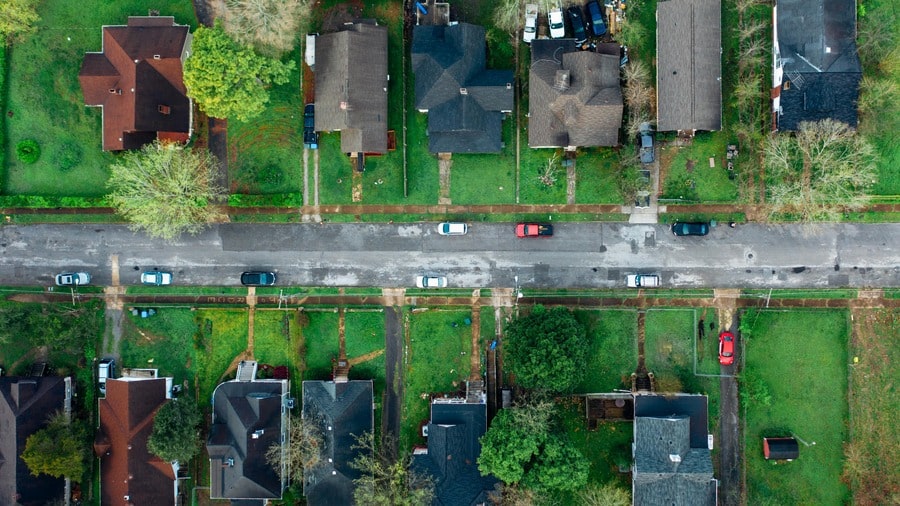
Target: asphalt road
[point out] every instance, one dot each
(585, 255)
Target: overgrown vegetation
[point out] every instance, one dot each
(269, 26)
(545, 349)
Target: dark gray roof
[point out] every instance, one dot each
(452, 458)
(574, 96)
(449, 67)
(689, 65)
(25, 407)
(351, 86)
(817, 49)
(343, 411)
(247, 420)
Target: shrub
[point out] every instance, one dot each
(28, 151)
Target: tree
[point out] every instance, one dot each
(269, 26)
(512, 495)
(559, 467)
(166, 189)
(304, 450)
(546, 349)
(385, 480)
(818, 172)
(604, 495)
(176, 435)
(229, 80)
(17, 19)
(57, 450)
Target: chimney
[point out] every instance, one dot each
(164, 109)
(562, 81)
(463, 91)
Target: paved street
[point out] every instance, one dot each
(585, 255)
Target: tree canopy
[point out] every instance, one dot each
(229, 80)
(176, 433)
(386, 480)
(61, 328)
(269, 26)
(17, 19)
(304, 451)
(546, 349)
(166, 190)
(58, 450)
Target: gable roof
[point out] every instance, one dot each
(137, 79)
(351, 86)
(129, 473)
(454, 446)
(465, 102)
(574, 96)
(25, 406)
(815, 47)
(247, 419)
(689, 65)
(343, 412)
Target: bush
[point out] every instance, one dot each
(28, 151)
(67, 156)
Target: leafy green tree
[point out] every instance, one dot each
(58, 450)
(176, 431)
(17, 19)
(166, 189)
(559, 467)
(546, 349)
(229, 80)
(386, 480)
(269, 26)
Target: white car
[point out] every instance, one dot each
(642, 281)
(73, 279)
(530, 31)
(451, 228)
(156, 278)
(431, 281)
(557, 25)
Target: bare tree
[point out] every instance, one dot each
(743, 6)
(604, 495)
(549, 175)
(304, 450)
(386, 479)
(749, 28)
(269, 26)
(514, 495)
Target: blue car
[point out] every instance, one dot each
(310, 137)
(596, 18)
(687, 228)
(579, 33)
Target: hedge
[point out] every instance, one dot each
(47, 201)
(272, 200)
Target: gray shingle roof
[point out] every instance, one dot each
(587, 111)
(351, 86)
(447, 60)
(689, 68)
(343, 412)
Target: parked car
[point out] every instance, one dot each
(726, 348)
(431, 281)
(310, 137)
(576, 17)
(557, 25)
(105, 370)
(647, 153)
(530, 30)
(73, 279)
(687, 228)
(534, 230)
(596, 18)
(156, 278)
(257, 278)
(642, 281)
(452, 228)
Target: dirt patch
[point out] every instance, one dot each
(357, 192)
(336, 16)
(365, 358)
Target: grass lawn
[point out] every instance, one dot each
(46, 102)
(486, 178)
(690, 164)
(596, 173)
(364, 336)
(668, 346)
(708, 342)
(335, 171)
(612, 355)
(435, 363)
(222, 337)
(321, 343)
(167, 339)
(607, 447)
(421, 166)
(800, 358)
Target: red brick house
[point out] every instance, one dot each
(137, 80)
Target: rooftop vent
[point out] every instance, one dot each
(563, 80)
(164, 109)
(674, 457)
(463, 91)
(156, 57)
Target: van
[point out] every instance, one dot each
(106, 370)
(642, 281)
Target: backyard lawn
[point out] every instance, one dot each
(612, 355)
(796, 363)
(164, 342)
(222, 337)
(607, 448)
(321, 344)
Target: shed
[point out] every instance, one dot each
(780, 448)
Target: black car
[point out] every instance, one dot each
(686, 228)
(579, 30)
(257, 278)
(595, 18)
(310, 137)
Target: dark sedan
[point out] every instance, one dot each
(257, 278)
(579, 30)
(688, 228)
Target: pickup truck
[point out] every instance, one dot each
(642, 281)
(534, 230)
(530, 31)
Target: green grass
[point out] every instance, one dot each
(46, 100)
(363, 334)
(838, 293)
(612, 353)
(801, 358)
(321, 344)
(668, 346)
(223, 336)
(708, 345)
(434, 364)
(596, 173)
(166, 339)
(335, 171)
(486, 178)
(606, 447)
(711, 184)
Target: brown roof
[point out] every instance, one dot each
(129, 473)
(137, 80)
(574, 96)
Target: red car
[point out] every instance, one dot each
(726, 348)
(534, 230)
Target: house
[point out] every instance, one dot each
(780, 448)
(249, 415)
(465, 102)
(671, 450)
(25, 406)
(351, 86)
(136, 79)
(129, 473)
(451, 457)
(689, 65)
(342, 411)
(816, 70)
(574, 96)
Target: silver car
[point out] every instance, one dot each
(451, 228)
(73, 279)
(156, 278)
(431, 281)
